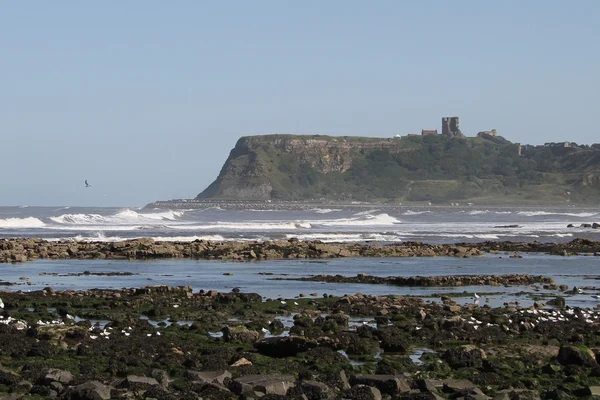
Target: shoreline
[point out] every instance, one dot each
(28, 249)
(169, 342)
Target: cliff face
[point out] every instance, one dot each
(417, 168)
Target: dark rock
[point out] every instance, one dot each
(464, 356)
(312, 390)
(387, 384)
(362, 392)
(92, 390)
(284, 346)
(576, 355)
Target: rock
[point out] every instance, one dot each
(11, 396)
(239, 334)
(517, 394)
(312, 390)
(91, 390)
(592, 391)
(455, 385)
(464, 356)
(267, 384)
(286, 346)
(138, 382)
(240, 362)
(338, 380)
(576, 355)
(570, 226)
(209, 376)
(595, 225)
(387, 384)
(429, 385)
(161, 376)
(58, 375)
(362, 392)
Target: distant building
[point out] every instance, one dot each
(429, 132)
(490, 133)
(450, 127)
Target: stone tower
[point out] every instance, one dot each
(450, 127)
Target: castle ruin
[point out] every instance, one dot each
(450, 127)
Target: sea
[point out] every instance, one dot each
(364, 223)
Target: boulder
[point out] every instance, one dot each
(286, 346)
(91, 390)
(576, 355)
(239, 334)
(58, 375)
(267, 384)
(455, 385)
(312, 390)
(464, 356)
(387, 384)
(362, 392)
(138, 382)
(209, 376)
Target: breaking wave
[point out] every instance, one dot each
(28, 222)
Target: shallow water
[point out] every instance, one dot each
(581, 271)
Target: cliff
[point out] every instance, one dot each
(414, 168)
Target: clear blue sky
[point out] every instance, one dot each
(145, 99)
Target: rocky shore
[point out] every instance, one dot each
(163, 342)
(21, 250)
(451, 280)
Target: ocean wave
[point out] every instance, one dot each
(544, 213)
(364, 220)
(122, 217)
(100, 237)
(28, 222)
(477, 212)
(249, 226)
(324, 210)
(409, 212)
(368, 212)
(488, 236)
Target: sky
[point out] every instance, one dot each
(146, 98)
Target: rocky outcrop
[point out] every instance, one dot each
(20, 250)
(450, 280)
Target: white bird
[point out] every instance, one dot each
(175, 305)
(264, 330)
(1, 304)
(282, 302)
(295, 303)
(476, 295)
(595, 296)
(157, 333)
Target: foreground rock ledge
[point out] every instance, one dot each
(22, 249)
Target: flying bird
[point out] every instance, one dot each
(87, 184)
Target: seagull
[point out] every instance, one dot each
(1, 304)
(87, 184)
(475, 295)
(595, 296)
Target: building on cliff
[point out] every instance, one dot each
(450, 127)
(429, 132)
(489, 133)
